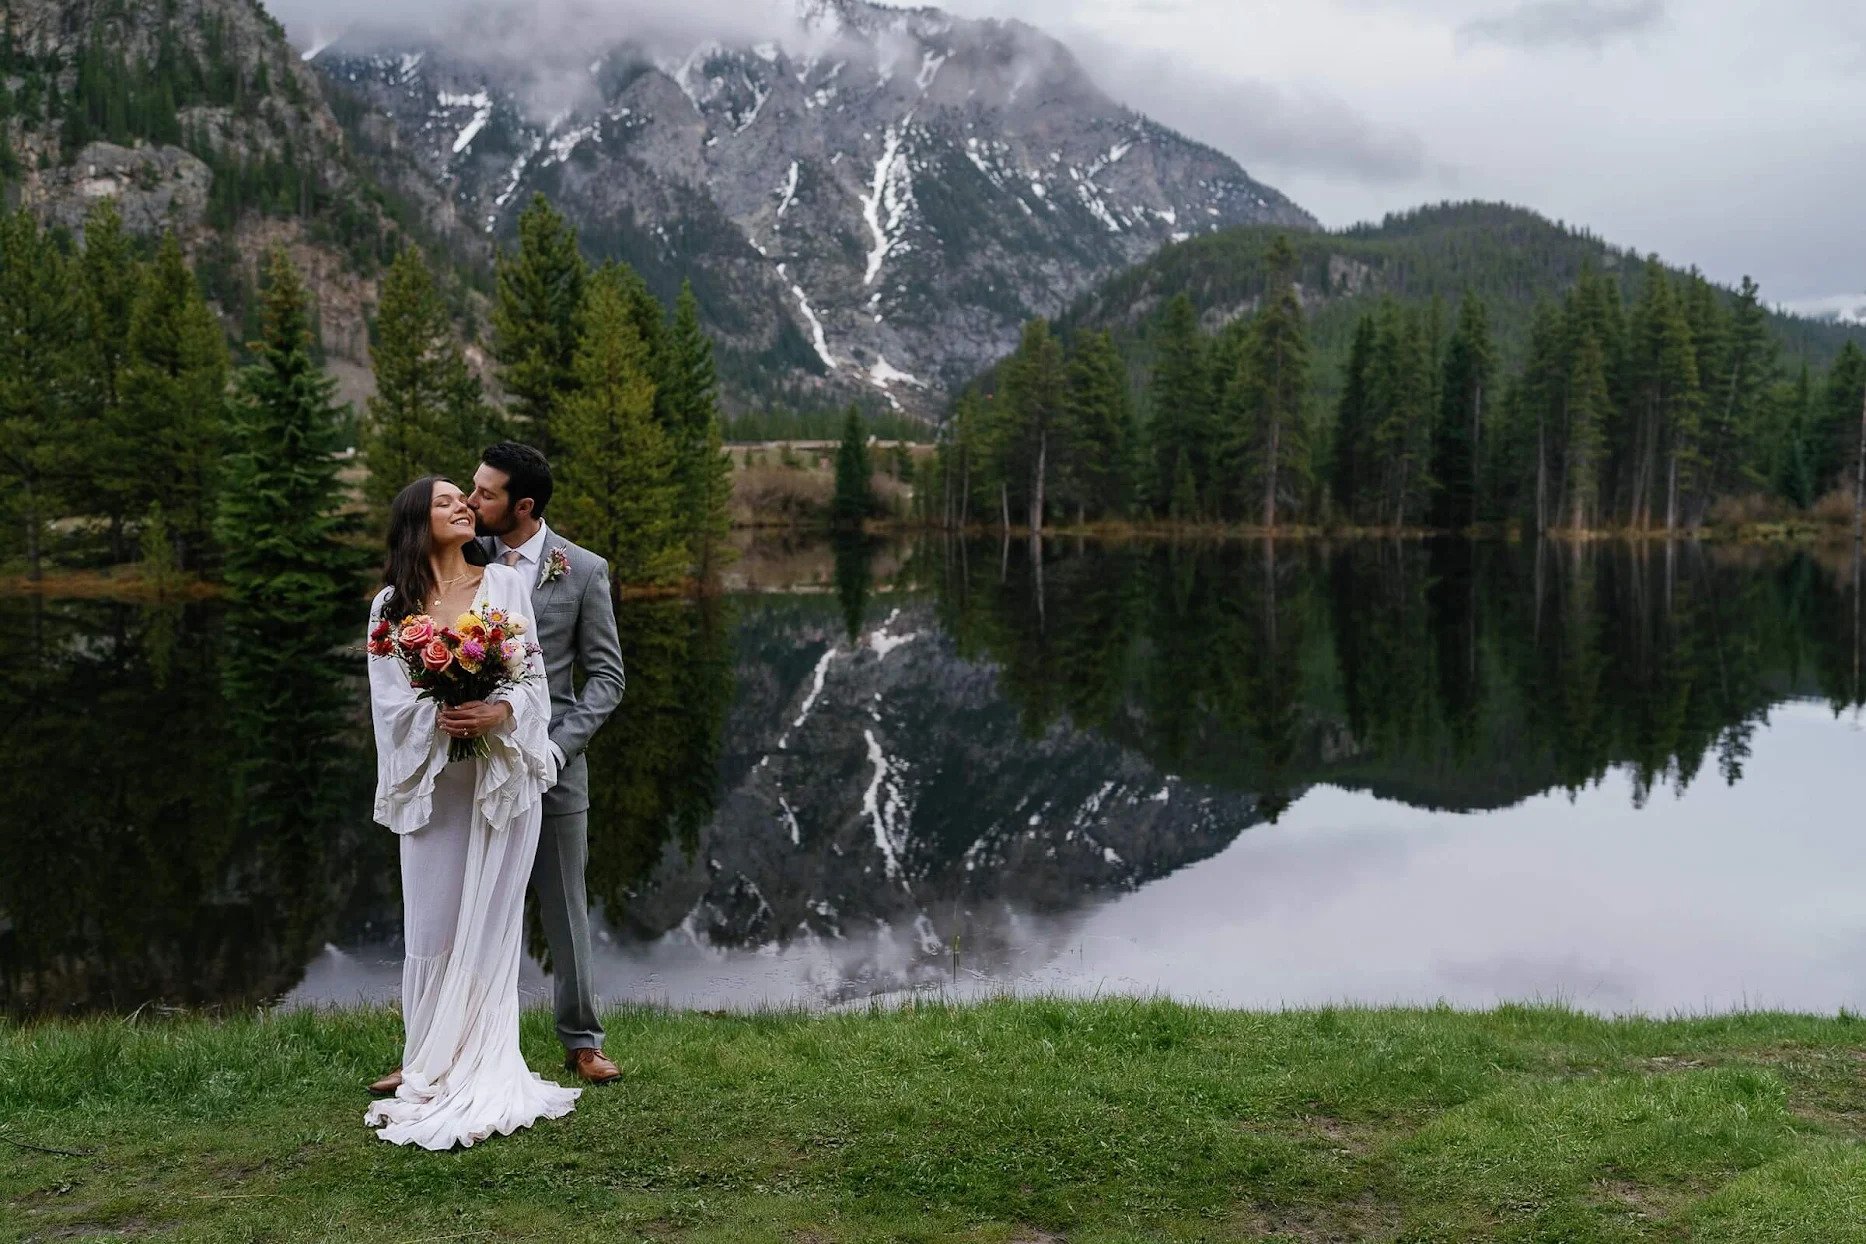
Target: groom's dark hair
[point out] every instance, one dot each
(527, 474)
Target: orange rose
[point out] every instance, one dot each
(436, 655)
(416, 631)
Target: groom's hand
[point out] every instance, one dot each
(474, 718)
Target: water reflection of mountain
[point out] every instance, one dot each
(186, 814)
(876, 780)
(1031, 737)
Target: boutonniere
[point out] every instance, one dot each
(556, 565)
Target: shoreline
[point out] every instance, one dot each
(1026, 1122)
(124, 582)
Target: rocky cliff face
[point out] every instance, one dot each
(199, 119)
(872, 204)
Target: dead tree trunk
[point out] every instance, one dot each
(1037, 483)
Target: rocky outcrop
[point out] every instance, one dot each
(157, 189)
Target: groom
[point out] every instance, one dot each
(574, 621)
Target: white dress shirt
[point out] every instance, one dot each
(530, 553)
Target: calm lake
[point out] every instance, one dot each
(1629, 778)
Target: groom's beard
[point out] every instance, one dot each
(483, 528)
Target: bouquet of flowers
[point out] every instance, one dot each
(454, 665)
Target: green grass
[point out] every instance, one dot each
(1032, 1121)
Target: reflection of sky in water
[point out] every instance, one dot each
(1719, 899)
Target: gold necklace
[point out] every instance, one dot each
(441, 591)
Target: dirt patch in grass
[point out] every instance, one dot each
(1345, 1138)
(1641, 1202)
(1347, 1222)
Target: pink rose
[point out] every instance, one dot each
(416, 632)
(436, 655)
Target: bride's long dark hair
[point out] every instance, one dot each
(408, 573)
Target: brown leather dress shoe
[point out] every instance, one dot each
(386, 1086)
(592, 1065)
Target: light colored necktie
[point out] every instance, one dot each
(509, 558)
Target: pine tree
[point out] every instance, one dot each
(534, 320)
(1402, 425)
(113, 462)
(1590, 406)
(854, 500)
(174, 401)
(160, 573)
(1033, 392)
(650, 320)
(691, 391)
(1183, 503)
(1736, 396)
(428, 415)
(1180, 427)
(1269, 451)
(963, 475)
(1456, 445)
(1353, 419)
(279, 518)
(1837, 438)
(619, 489)
(1540, 398)
(1666, 378)
(41, 320)
(1100, 427)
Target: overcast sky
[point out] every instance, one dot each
(1722, 133)
(1725, 133)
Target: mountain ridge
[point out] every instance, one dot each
(1511, 256)
(875, 212)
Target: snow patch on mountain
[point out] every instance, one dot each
(788, 194)
(892, 189)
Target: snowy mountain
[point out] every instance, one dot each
(873, 203)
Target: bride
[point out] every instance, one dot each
(469, 831)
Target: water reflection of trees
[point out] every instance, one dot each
(179, 783)
(1447, 674)
(654, 768)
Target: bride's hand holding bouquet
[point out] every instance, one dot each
(460, 667)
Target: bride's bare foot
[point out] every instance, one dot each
(388, 1084)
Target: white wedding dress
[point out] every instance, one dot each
(469, 832)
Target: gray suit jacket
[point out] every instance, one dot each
(575, 623)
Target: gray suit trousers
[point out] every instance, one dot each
(564, 907)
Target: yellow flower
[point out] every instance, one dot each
(469, 623)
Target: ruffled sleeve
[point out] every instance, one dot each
(410, 750)
(512, 780)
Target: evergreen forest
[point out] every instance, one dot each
(1444, 383)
